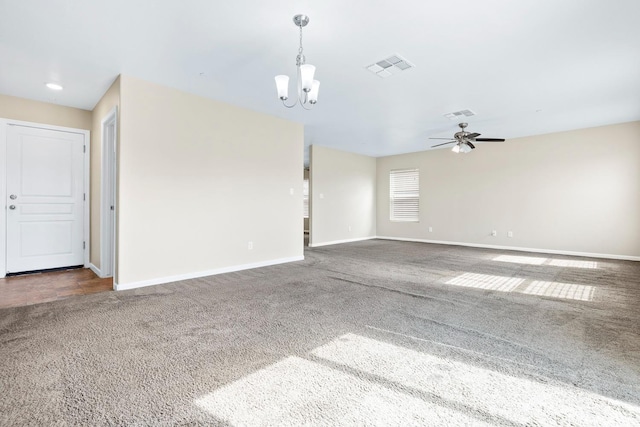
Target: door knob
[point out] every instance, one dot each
(13, 197)
(12, 207)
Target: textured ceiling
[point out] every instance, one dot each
(525, 67)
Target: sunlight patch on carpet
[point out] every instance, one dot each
(560, 290)
(520, 259)
(536, 287)
(296, 392)
(511, 399)
(573, 263)
(486, 281)
(355, 380)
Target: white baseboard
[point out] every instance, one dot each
(336, 242)
(95, 269)
(169, 279)
(516, 248)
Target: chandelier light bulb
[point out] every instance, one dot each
(306, 76)
(282, 86)
(313, 95)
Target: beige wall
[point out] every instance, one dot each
(576, 191)
(110, 99)
(198, 180)
(343, 193)
(42, 112)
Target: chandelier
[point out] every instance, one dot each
(307, 87)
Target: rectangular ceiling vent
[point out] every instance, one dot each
(390, 66)
(459, 114)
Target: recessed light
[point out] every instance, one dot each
(54, 86)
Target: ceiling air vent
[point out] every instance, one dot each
(459, 114)
(389, 66)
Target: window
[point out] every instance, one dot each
(305, 198)
(404, 195)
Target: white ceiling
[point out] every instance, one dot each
(525, 67)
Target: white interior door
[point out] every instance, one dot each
(45, 197)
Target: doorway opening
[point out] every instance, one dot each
(108, 195)
(305, 209)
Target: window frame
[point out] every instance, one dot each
(406, 194)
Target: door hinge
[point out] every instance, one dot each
(84, 245)
(84, 148)
(84, 196)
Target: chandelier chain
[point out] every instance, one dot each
(300, 48)
(300, 59)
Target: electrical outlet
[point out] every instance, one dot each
(321, 195)
(349, 228)
(510, 234)
(430, 229)
(250, 245)
(291, 191)
(494, 233)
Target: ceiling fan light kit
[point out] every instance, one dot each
(461, 148)
(307, 87)
(464, 140)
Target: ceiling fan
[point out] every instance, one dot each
(464, 140)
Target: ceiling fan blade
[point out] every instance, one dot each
(473, 135)
(444, 143)
(490, 139)
(439, 138)
(471, 145)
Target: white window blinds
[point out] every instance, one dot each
(305, 198)
(404, 195)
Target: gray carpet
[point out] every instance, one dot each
(369, 333)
